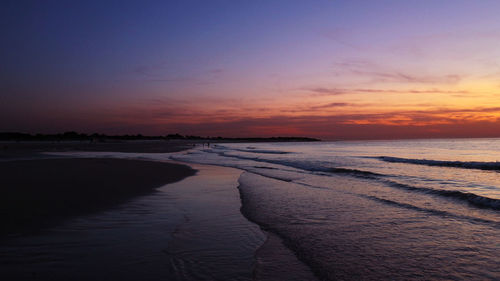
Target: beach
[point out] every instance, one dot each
(41, 190)
(371, 210)
(44, 192)
(108, 215)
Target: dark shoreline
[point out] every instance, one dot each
(13, 150)
(40, 193)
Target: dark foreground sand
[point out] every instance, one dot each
(39, 193)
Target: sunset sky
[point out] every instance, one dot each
(328, 69)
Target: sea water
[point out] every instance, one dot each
(374, 210)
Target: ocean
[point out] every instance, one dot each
(345, 210)
(374, 210)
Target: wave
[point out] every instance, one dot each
(252, 149)
(474, 199)
(264, 151)
(471, 198)
(495, 166)
(303, 165)
(431, 211)
(355, 173)
(264, 167)
(310, 166)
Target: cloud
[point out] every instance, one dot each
(343, 37)
(377, 73)
(252, 117)
(305, 121)
(330, 105)
(322, 91)
(420, 118)
(334, 127)
(448, 45)
(357, 63)
(321, 108)
(328, 91)
(410, 78)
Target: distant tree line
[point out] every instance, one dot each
(74, 136)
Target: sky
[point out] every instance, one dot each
(326, 69)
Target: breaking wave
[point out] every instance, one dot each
(474, 199)
(326, 169)
(495, 166)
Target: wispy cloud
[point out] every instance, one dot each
(378, 73)
(341, 36)
(402, 77)
(319, 108)
(321, 91)
(330, 105)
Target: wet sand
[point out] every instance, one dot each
(188, 230)
(36, 194)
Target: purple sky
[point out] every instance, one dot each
(328, 69)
